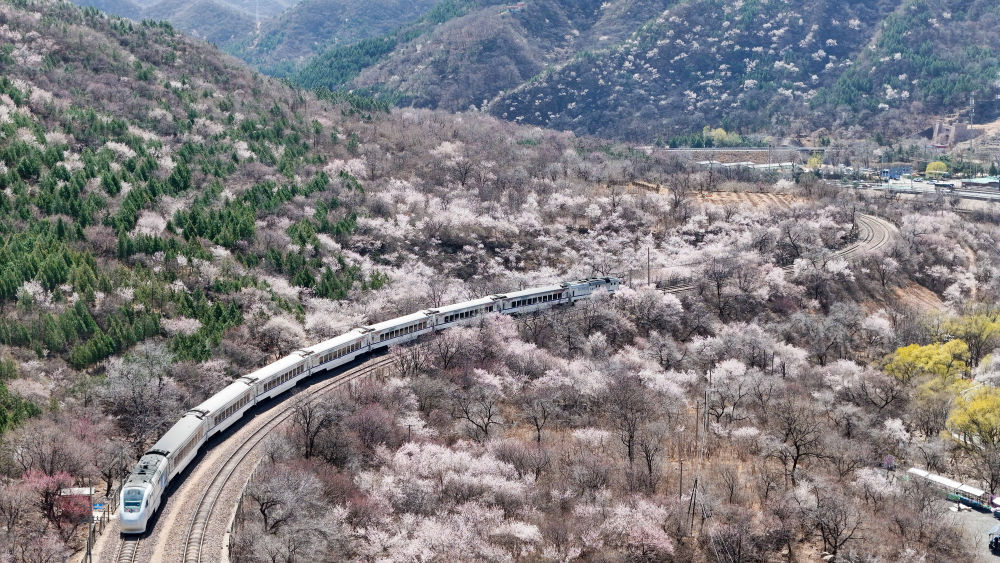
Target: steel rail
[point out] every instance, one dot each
(201, 518)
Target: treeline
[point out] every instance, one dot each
(336, 67)
(13, 409)
(709, 138)
(941, 66)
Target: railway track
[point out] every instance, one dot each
(224, 474)
(127, 550)
(203, 512)
(875, 233)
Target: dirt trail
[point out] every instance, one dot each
(920, 298)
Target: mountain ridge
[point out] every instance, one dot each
(674, 67)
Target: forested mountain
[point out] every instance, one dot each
(124, 8)
(479, 51)
(313, 25)
(647, 70)
(222, 22)
(211, 20)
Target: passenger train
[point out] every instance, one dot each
(143, 491)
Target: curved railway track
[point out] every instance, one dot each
(195, 540)
(224, 471)
(874, 234)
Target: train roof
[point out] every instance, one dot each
(278, 366)
(326, 345)
(607, 279)
(393, 323)
(144, 470)
(224, 397)
(481, 302)
(533, 291)
(177, 436)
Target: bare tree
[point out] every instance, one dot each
(527, 459)
(538, 408)
(409, 361)
(650, 443)
(800, 432)
(309, 420)
(111, 459)
(837, 520)
(480, 408)
(627, 405)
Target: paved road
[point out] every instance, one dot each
(977, 527)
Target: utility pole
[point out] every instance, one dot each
(693, 504)
(647, 266)
(697, 421)
(680, 481)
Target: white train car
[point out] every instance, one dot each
(143, 490)
(534, 299)
(465, 312)
(227, 406)
(274, 379)
(337, 351)
(399, 330)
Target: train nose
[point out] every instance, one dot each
(132, 523)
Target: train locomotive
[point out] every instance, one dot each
(143, 490)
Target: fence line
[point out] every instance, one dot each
(99, 524)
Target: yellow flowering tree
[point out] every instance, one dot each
(980, 332)
(975, 419)
(936, 168)
(946, 361)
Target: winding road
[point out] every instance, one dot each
(193, 523)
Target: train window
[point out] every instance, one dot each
(133, 500)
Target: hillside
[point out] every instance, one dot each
(310, 26)
(651, 70)
(467, 59)
(214, 21)
(222, 22)
(123, 8)
(156, 192)
(930, 57)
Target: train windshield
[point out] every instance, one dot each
(132, 498)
